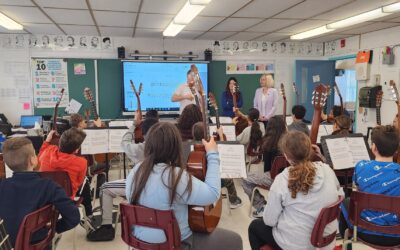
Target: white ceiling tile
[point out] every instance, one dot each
(244, 36)
(17, 2)
(42, 29)
(149, 33)
(273, 37)
(115, 31)
(4, 30)
(273, 24)
(352, 9)
(223, 7)
(153, 21)
(120, 5)
(236, 24)
(71, 4)
(163, 7)
(303, 26)
(25, 14)
(188, 34)
(108, 18)
(265, 8)
(201, 23)
(366, 27)
(62, 16)
(80, 30)
(214, 35)
(311, 8)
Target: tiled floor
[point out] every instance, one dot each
(238, 221)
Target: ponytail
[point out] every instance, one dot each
(301, 178)
(255, 135)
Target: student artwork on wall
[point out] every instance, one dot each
(55, 42)
(249, 67)
(271, 48)
(49, 76)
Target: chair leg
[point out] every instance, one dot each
(116, 220)
(74, 239)
(94, 183)
(251, 200)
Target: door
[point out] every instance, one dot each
(310, 73)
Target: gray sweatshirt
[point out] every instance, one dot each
(293, 219)
(135, 151)
(299, 126)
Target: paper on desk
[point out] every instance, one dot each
(73, 107)
(229, 131)
(232, 161)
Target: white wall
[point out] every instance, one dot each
(13, 106)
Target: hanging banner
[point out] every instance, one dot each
(49, 76)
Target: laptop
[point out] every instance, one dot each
(28, 121)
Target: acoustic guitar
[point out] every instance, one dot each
(396, 97)
(56, 137)
(138, 134)
(282, 90)
(2, 168)
(379, 96)
(213, 103)
(5, 243)
(242, 121)
(320, 94)
(202, 219)
(193, 90)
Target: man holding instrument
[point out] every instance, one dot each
(186, 93)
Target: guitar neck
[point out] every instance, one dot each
(94, 110)
(315, 126)
(204, 116)
(378, 116)
(217, 118)
(55, 114)
(284, 110)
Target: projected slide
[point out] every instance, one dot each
(160, 80)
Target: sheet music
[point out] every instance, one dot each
(96, 142)
(229, 131)
(232, 161)
(115, 139)
(120, 123)
(222, 119)
(358, 149)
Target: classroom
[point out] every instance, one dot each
(199, 124)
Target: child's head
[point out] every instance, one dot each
(19, 154)
(253, 115)
(147, 124)
(71, 140)
(190, 115)
(77, 121)
(298, 112)
(276, 127)
(385, 140)
(152, 114)
(342, 124)
(336, 111)
(198, 131)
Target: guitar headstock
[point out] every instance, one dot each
(295, 89)
(319, 97)
(212, 100)
(61, 97)
(197, 79)
(88, 94)
(379, 96)
(136, 92)
(282, 90)
(395, 92)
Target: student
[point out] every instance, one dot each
(276, 128)
(295, 199)
(198, 135)
(251, 135)
(77, 121)
(227, 98)
(161, 182)
(26, 191)
(298, 113)
(266, 98)
(379, 176)
(190, 115)
(342, 125)
(183, 93)
(113, 189)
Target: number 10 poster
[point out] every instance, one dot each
(49, 76)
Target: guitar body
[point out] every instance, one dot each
(205, 219)
(2, 168)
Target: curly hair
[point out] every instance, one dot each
(297, 148)
(190, 115)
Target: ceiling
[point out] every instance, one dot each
(268, 20)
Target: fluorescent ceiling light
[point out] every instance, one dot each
(391, 8)
(173, 29)
(367, 16)
(201, 2)
(9, 24)
(188, 13)
(311, 33)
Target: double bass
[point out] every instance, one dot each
(213, 103)
(56, 137)
(138, 134)
(202, 218)
(242, 121)
(282, 90)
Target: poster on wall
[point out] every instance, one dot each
(49, 76)
(249, 67)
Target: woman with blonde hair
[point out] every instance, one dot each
(296, 198)
(266, 98)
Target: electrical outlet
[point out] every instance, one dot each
(377, 79)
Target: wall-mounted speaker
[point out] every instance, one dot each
(121, 52)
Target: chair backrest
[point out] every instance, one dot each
(45, 217)
(134, 215)
(360, 201)
(59, 177)
(5, 243)
(278, 165)
(327, 215)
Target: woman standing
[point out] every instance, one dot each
(227, 98)
(266, 98)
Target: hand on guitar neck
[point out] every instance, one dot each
(138, 119)
(210, 145)
(98, 123)
(50, 135)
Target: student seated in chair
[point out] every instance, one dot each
(295, 199)
(162, 182)
(342, 125)
(113, 189)
(190, 115)
(251, 135)
(379, 176)
(26, 191)
(298, 113)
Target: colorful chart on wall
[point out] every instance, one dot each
(249, 67)
(49, 76)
